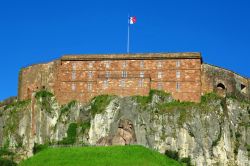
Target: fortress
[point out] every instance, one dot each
(82, 77)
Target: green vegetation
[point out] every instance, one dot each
(43, 94)
(100, 156)
(215, 142)
(66, 108)
(43, 97)
(145, 100)
(84, 126)
(39, 147)
(71, 135)
(174, 155)
(175, 105)
(99, 103)
(208, 97)
(6, 157)
(248, 148)
(14, 111)
(17, 104)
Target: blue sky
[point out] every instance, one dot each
(40, 31)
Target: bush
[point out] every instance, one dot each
(45, 101)
(172, 154)
(67, 107)
(85, 126)
(17, 104)
(39, 147)
(6, 162)
(186, 160)
(99, 103)
(43, 94)
(71, 135)
(210, 97)
(144, 100)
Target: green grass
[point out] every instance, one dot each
(99, 156)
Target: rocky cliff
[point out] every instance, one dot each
(213, 132)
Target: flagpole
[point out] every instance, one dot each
(128, 37)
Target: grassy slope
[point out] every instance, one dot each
(99, 156)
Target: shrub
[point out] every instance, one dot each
(172, 154)
(71, 135)
(85, 126)
(144, 100)
(99, 103)
(67, 107)
(43, 94)
(186, 160)
(210, 97)
(44, 99)
(237, 135)
(17, 104)
(39, 147)
(6, 162)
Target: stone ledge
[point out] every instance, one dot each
(149, 56)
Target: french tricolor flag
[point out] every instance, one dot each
(132, 20)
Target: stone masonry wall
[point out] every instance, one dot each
(36, 77)
(216, 79)
(83, 78)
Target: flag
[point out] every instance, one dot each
(132, 20)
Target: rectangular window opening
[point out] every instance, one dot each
(178, 74)
(142, 74)
(159, 75)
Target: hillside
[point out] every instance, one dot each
(215, 131)
(99, 156)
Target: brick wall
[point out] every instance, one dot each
(82, 80)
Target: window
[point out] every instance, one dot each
(124, 74)
(243, 88)
(90, 74)
(178, 74)
(141, 74)
(107, 74)
(105, 83)
(141, 64)
(73, 87)
(73, 75)
(124, 64)
(159, 75)
(159, 64)
(178, 63)
(107, 64)
(122, 83)
(221, 86)
(73, 66)
(89, 87)
(141, 83)
(90, 64)
(159, 86)
(178, 86)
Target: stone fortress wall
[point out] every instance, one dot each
(81, 77)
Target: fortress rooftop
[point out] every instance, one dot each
(150, 56)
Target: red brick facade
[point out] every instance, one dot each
(81, 77)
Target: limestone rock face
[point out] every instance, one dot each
(124, 135)
(216, 132)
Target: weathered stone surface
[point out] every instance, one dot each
(216, 133)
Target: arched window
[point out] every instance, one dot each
(243, 88)
(221, 86)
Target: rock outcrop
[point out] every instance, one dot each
(213, 132)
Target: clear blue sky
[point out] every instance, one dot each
(33, 31)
